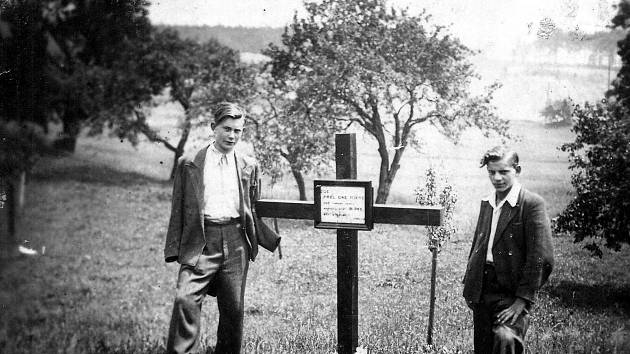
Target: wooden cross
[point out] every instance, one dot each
(347, 245)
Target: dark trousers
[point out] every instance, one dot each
(221, 271)
(491, 338)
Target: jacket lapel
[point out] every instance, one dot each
(485, 219)
(507, 214)
(241, 207)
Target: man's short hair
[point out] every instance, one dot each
(225, 110)
(498, 153)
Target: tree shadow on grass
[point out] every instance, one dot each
(592, 296)
(94, 174)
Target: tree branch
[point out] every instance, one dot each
(152, 135)
(362, 113)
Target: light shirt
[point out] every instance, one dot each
(512, 199)
(221, 197)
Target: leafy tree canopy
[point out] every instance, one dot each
(52, 50)
(386, 71)
(291, 130)
(198, 75)
(600, 159)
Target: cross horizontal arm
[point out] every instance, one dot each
(383, 213)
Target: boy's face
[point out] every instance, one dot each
(227, 133)
(503, 174)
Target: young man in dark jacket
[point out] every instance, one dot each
(510, 259)
(214, 233)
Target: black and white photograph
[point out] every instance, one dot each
(314, 176)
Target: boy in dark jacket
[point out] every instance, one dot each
(510, 259)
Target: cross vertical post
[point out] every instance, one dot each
(347, 255)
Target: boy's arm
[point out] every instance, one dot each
(538, 249)
(175, 224)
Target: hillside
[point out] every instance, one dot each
(243, 39)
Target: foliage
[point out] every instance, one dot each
(23, 58)
(600, 159)
(558, 113)
(20, 146)
(97, 63)
(290, 131)
(196, 75)
(56, 51)
(385, 71)
(437, 191)
(114, 94)
(621, 85)
(203, 75)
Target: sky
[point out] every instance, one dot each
(481, 21)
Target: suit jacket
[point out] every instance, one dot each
(185, 238)
(522, 250)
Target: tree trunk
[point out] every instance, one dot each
(11, 206)
(179, 151)
(432, 296)
(387, 173)
(299, 179)
(72, 118)
(383, 187)
(383, 190)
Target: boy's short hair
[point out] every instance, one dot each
(225, 110)
(497, 153)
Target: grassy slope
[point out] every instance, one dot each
(102, 285)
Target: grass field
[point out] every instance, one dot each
(102, 286)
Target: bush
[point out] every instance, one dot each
(21, 144)
(558, 113)
(600, 159)
(438, 191)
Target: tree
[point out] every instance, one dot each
(96, 63)
(204, 75)
(437, 191)
(600, 160)
(196, 76)
(19, 144)
(23, 59)
(55, 61)
(385, 71)
(290, 131)
(601, 44)
(201, 76)
(53, 49)
(558, 113)
(621, 85)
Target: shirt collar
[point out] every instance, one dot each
(511, 198)
(215, 155)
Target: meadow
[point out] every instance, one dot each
(100, 285)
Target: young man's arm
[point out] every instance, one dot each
(176, 222)
(538, 258)
(538, 249)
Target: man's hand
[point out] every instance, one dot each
(511, 313)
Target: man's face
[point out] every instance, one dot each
(227, 133)
(502, 174)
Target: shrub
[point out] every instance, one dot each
(558, 113)
(437, 191)
(600, 159)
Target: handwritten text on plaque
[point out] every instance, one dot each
(343, 204)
